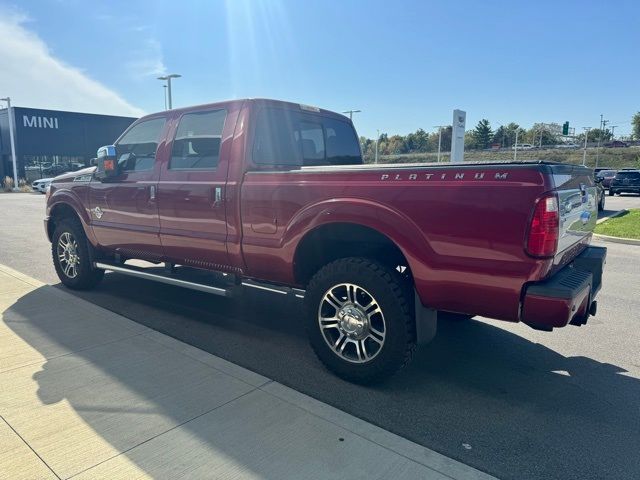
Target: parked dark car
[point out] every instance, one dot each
(57, 169)
(616, 144)
(607, 176)
(600, 193)
(625, 181)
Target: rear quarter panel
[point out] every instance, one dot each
(461, 228)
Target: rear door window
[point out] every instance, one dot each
(275, 143)
(196, 145)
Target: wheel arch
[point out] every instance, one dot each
(65, 205)
(353, 227)
(331, 241)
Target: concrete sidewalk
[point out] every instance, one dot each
(86, 393)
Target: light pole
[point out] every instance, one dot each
(613, 128)
(164, 88)
(603, 125)
(584, 153)
(12, 140)
(439, 127)
(351, 112)
(168, 79)
(515, 146)
(377, 138)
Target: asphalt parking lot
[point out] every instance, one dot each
(503, 398)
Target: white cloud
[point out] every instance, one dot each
(32, 76)
(147, 60)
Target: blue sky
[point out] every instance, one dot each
(405, 64)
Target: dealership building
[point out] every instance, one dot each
(50, 142)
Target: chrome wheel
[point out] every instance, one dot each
(352, 323)
(67, 251)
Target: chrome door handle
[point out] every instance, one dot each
(217, 197)
(152, 192)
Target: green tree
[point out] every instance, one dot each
(396, 145)
(417, 142)
(445, 145)
(597, 134)
(510, 134)
(499, 136)
(483, 134)
(635, 126)
(470, 142)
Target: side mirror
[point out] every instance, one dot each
(106, 163)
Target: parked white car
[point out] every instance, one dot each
(523, 146)
(41, 185)
(573, 146)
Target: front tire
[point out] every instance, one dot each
(360, 319)
(70, 251)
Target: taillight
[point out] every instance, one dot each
(544, 229)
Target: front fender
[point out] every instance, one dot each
(69, 198)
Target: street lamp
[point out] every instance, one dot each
(377, 139)
(12, 140)
(351, 112)
(439, 127)
(584, 153)
(168, 79)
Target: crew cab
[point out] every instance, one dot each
(275, 196)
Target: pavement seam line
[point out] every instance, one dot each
(30, 447)
(165, 432)
(360, 435)
(150, 337)
(46, 359)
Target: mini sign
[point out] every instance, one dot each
(36, 121)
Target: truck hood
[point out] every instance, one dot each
(71, 175)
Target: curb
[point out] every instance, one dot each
(609, 238)
(617, 214)
(626, 241)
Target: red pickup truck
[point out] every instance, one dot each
(274, 195)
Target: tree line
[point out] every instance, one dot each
(482, 137)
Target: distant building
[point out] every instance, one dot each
(50, 142)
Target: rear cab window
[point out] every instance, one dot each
(628, 176)
(288, 138)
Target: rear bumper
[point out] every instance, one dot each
(566, 297)
(624, 189)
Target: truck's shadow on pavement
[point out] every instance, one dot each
(478, 393)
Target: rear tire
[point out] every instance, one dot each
(71, 258)
(611, 193)
(360, 320)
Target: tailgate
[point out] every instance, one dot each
(577, 203)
